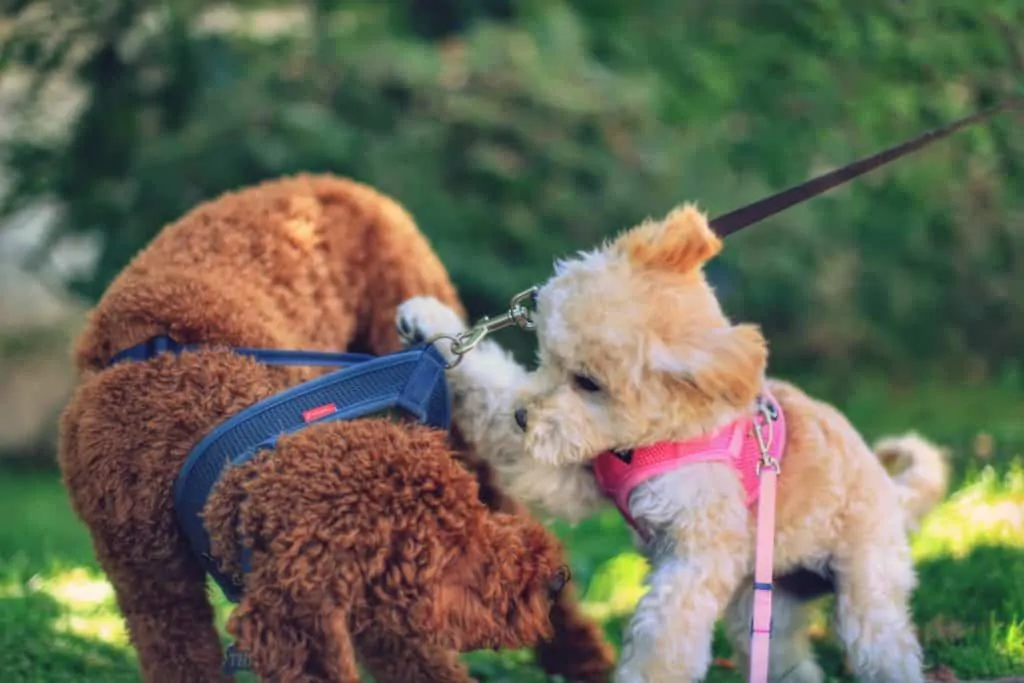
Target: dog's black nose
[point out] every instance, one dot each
(521, 418)
(558, 581)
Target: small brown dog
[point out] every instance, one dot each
(371, 539)
(645, 392)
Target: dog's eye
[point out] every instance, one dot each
(584, 383)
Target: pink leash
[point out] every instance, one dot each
(761, 622)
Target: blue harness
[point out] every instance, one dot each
(411, 382)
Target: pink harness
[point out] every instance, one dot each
(753, 446)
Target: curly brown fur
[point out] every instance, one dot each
(579, 651)
(372, 530)
(306, 262)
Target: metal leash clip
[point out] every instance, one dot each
(766, 414)
(519, 313)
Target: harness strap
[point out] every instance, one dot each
(162, 343)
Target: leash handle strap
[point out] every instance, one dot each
(744, 216)
(761, 623)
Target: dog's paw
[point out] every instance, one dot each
(423, 317)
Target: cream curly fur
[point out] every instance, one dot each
(637, 317)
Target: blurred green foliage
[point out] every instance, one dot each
(517, 131)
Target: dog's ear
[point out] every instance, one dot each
(725, 364)
(682, 242)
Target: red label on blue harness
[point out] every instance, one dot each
(319, 411)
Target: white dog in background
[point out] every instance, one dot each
(635, 352)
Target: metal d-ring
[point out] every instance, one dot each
(519, 314)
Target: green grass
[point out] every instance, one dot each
(58, 620)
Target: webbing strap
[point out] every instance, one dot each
(163, 343)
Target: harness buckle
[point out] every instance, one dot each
(519, 313)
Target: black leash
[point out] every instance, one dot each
(745, 216)
(738, 219)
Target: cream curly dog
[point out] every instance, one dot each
(636, 353)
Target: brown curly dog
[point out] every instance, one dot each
(372, 540)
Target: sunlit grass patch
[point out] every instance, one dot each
(78, 588)
(970, 558)
(58, 617)
(83, 602)
(1008, 639)
(616, 587)
(986, 511)
(62, 625)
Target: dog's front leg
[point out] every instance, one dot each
(484, 384)
(701, 551)
(668, 640)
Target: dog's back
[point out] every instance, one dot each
(310, 262)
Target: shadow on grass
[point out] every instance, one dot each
(36, 647)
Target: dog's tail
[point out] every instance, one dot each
(920, 470)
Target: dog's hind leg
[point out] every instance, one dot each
(169, 617)
(875, 579)
(391, 659)
(122, 492)
(165, 606)
(791, 659)
(288, 642)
